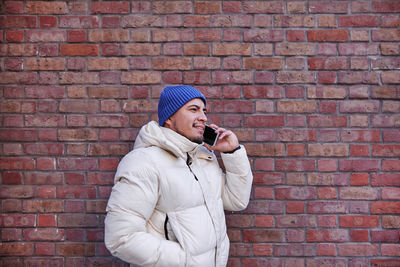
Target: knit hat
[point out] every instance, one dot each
(173, 98)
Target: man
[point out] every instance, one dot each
(167, 205)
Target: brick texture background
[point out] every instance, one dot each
(312, 88)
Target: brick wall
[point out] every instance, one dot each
(312, 89)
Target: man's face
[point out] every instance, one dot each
(189, 120)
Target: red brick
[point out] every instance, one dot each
(390, 165)
(293, 193)
(79, 50)
(295, 207)
(327, 121)
(385, 207)
(327, 35)
(359, 165)
(328, 7)
(14, 7)
(364, 221)
(141, 21)
(46, 220)
(327, 207)
(327, 193)
(391, 193)
(263, 7)
(295, 165)
(321, 236)
(328, 150)
(77, 249)
(296, 106)
(385, 262)
(358, 21)
(328, 63)
(14, 36)
(390, 35)
(205, 7)
(231, 21)
(262, 236)
(359, 235)
(78, 164)
(295, 77)
(263, 121)
(18, 220)
(263, 63)
(291, 250)
(295, 35)
(297, 21)
(390, 21)
(107, 7)
(386, 150)
(206, 35)
(289, 135)
(17, 249)
(385, 7)
(261, 36)
(359, 179)
(326, 250)
(385, 179)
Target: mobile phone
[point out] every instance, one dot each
(209, 136)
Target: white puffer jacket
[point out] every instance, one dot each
(168, 182)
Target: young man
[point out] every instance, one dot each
(167, 205)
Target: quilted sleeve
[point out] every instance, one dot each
(236, 187)
(131, 203)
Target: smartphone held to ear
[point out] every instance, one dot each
(209, 136)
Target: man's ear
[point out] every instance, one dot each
(167, 123)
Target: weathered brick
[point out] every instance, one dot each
(141, 49)
(17, 249)
(231, 21)
(359, 106)
(261, 36)
(328, 150)
(324, 7)
(295, 77)
(79, 50)
(358, 193)
(106, 7)
(385, 7)
(327, 35)
(336, 63)
(359, 250)
(296, 106)
(386, 150)
(327, 92)
(108, 36)
(79, 22)
(263, 63)
(294, 21)
(358, 49)
(290, 49)
(77, 249)
(172, 7)
(137, 77)
(358, 21)
(327, 121)
(327, 236)
(43, 7)
(390, 35)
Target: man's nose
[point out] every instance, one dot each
(203, 116)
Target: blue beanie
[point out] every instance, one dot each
(173, 98)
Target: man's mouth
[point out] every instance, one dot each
(199, 127)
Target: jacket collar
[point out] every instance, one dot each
(152, 134)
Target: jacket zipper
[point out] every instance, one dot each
(188, 163)
(165, 227)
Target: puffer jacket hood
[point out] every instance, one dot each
(152, 134)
